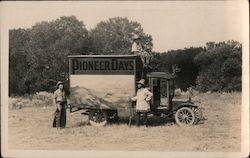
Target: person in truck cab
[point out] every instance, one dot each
(142, 98)
(60, 102)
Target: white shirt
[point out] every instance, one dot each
(136, 47)
(59, 96)
(142, 98)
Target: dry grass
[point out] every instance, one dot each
(31, 128)
(40, 99)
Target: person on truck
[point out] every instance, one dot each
(145, 55)
(60, 102)
(142, 98)
(138, 50)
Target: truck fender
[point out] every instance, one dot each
(185, 105)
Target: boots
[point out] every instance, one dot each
(145, 119)
(137, 121)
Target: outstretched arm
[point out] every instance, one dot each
(134, 98)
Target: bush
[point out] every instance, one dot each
(221, 66)
(45, 97)
(19, 102)
(185, 94)
(40, 99)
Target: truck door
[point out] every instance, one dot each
(164, 92)
(159, 90)
(155, 88)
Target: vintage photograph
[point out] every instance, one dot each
(125, 79)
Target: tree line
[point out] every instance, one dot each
(38, 55)
(216, 67)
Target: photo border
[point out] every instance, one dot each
(48, 153)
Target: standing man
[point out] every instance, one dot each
(60, 102)
(142, 98)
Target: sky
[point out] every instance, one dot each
(172, 24)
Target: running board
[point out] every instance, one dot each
(162, 108)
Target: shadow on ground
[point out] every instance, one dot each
(153, 121)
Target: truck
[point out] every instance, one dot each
(101, 86)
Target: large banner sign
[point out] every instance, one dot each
(102, 66)
(102, 82)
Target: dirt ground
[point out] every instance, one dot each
(31, 128)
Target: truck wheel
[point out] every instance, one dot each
(184, 116)
(98, 118)
(113, 117)
(198, 115)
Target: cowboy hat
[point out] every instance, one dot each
(136, 37)
(58, 83)
(142, 82)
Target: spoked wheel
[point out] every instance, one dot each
(98, 118)
(198, 114)
(184, 116)
(113, 116)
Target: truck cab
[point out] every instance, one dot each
(162, 86)
(164, 101)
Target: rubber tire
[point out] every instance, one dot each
(102, 114)
(190, 111)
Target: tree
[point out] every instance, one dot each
(183, 58)
(49, 45)
(220, 67)
(114, 36)
(45, 52)
(17, 60)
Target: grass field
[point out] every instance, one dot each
(31, 128)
